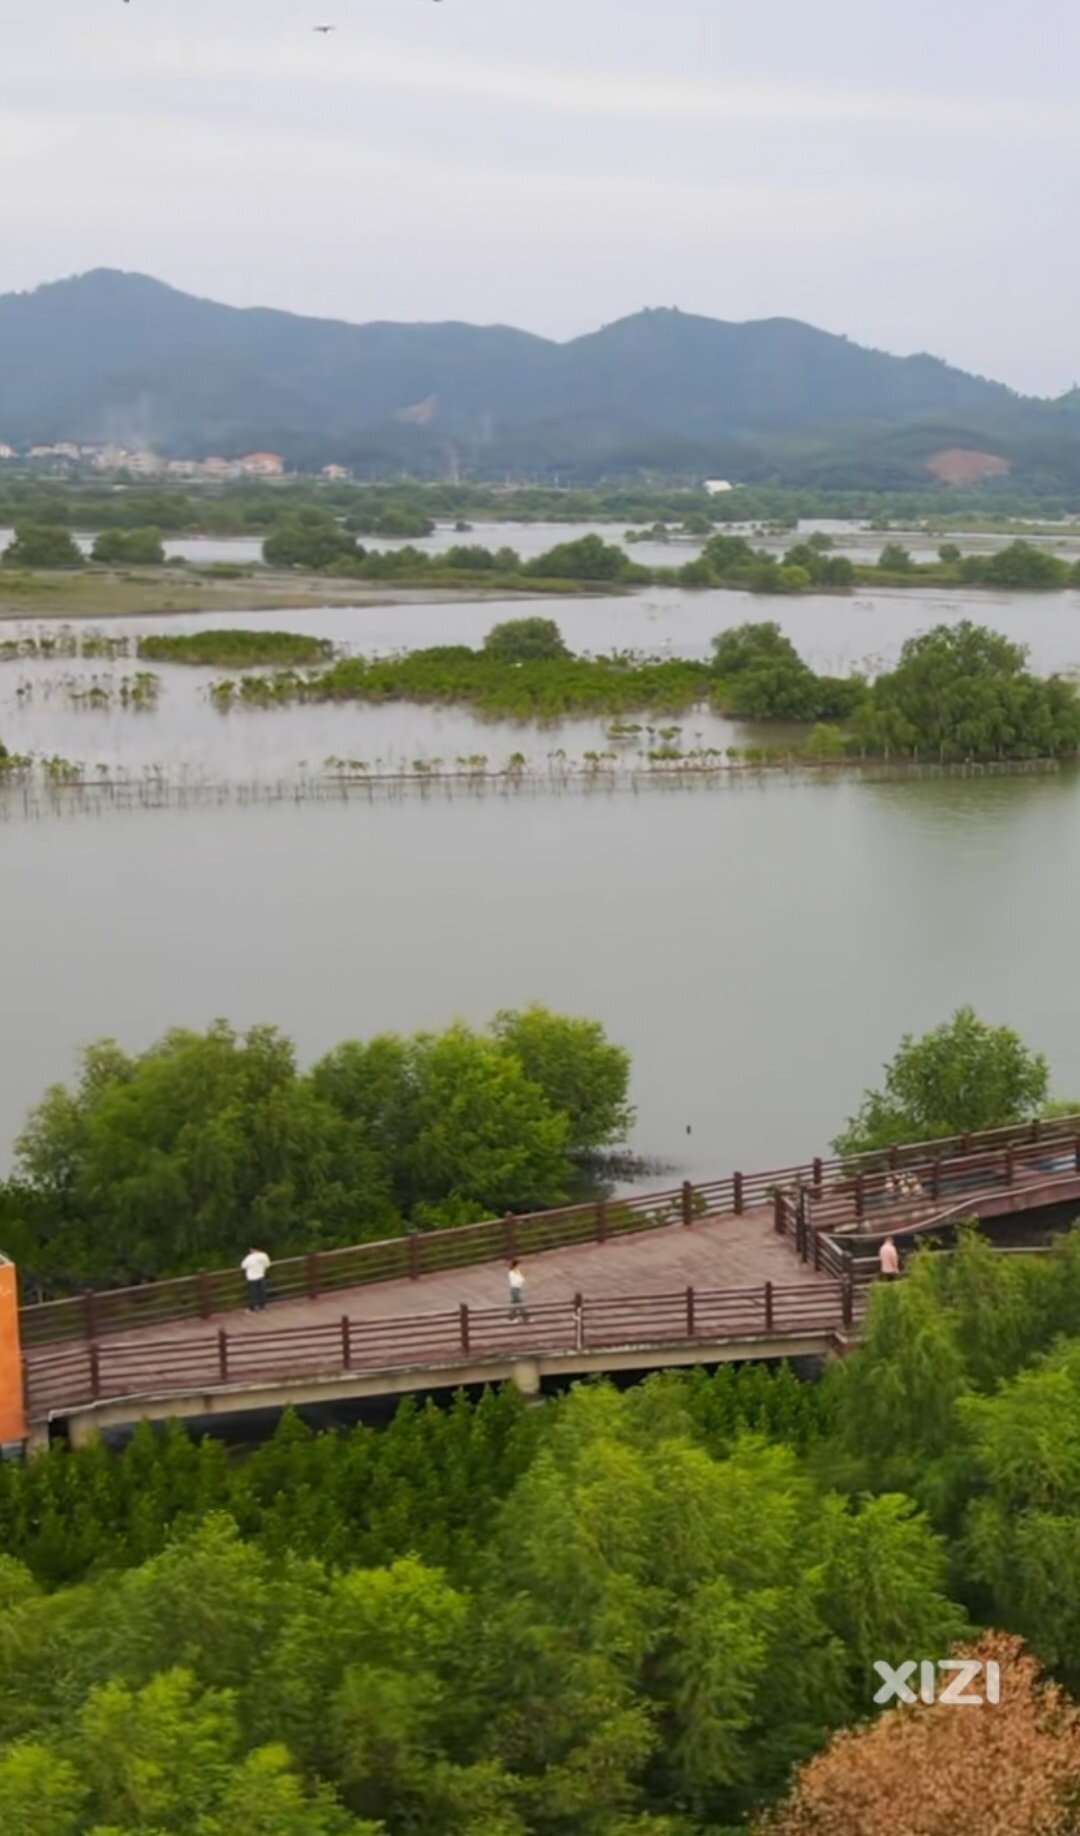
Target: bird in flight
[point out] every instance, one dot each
(324, 28)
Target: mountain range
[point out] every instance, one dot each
(117, 357)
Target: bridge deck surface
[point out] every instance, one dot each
(724, 1252)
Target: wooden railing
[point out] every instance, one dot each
(824, 1221)
(78, 1376)
(849, 1190)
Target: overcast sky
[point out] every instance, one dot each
(905, 171)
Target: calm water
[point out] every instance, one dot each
(760, 948)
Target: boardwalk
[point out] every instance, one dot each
(768, 1264)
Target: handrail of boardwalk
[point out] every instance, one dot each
(845, 1186)
(823, 1221)
(78, 1376)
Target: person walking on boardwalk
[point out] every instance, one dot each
(516, 1283)
(888, 1260)
(255, 1265)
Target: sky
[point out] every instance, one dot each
(896, 172)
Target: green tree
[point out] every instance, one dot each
(40, 1792)
(582, 1074)
(183, 1155)
(141, 547)
(1023, 566)
(485, 1135)
(960, 1077)
(587, 558)
(42, 545)
(894, 559)
(961, 692)
(310, 539)
(525, 640)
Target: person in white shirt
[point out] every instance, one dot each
(516, 1282)
(255, 1265)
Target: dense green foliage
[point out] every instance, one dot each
(41, 545)
(623, 1616)
(960, 1078)
(762, 677)
(179, 1157)
(959, 692)
(312, 538)
(963, 692)
(138, 547)
(238, 649)
(542, 688)
(525, 640)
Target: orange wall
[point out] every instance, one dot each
(12, 1416)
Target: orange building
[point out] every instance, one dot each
(12, 1409)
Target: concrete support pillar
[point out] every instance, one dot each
(526, 1375)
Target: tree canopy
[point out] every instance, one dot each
(525, 640)
(177, 1157)
(963, 692)
(961, 1077)
(141, 547)
(42, 545)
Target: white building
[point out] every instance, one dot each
(717, 486)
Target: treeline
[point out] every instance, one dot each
(407, 508)
(810, 566)
(958, 692)
(178, 1158)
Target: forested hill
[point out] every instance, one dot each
(120, 357)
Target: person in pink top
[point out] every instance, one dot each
(888, 1260)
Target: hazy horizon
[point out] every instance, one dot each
(898, 179)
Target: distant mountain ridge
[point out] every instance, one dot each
(110, 356)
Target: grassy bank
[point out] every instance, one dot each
(157, 592)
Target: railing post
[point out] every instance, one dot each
(769, 1310)
(816, 1239)
(414, 1255)
(690, 1313)
(1035, 1129)
(847, 1300)
(601, 1220)
(463, 1314)
(1010, 1164)
(95, 1372)
(935, 1178)
(965, 1144)
(205, 1294)
(894, 1158)
(223, 1354)
(579, 1323)
(346, 1344)
(510, 1237)
(818, 1173)
(860, 1195)
(1076, 1154)
(737, 1194)
(778, 1212)
(89, 1314)
(312, 1270)
(687, 1202)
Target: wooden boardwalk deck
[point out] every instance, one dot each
(713, 1253)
